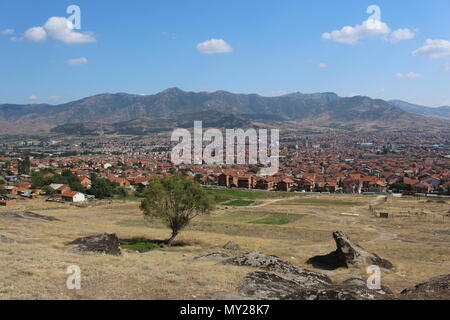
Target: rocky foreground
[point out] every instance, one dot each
(276, 279)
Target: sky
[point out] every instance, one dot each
(399, 50)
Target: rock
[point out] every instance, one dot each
(107, 243)
(269, 286)
(5, 239)
(348, 254)
(355, 282)
(358, 282)
(434, 288)
(338, 293)
(275, 264)
(216, 256)
(232, 246)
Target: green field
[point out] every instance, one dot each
(276, 219)
(141, 245)
(239, 203)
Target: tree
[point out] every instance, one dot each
(48, 190)
(2, 191)
(176, 200)
(93, 176)
(102, 188)
(121, 192)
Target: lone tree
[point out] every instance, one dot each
(176, 200)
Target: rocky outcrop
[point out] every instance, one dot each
(281, 280)
(269, 286)
(232, 246)
(107, 243)
(274, 264)
(348, 255)
(434, 288)
(216, 256)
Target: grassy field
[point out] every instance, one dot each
(416, 239)
(222, 195)
(239, 203)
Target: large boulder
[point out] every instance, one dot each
(434, 288)
(282, 280)
(107, 243)
(348, 255)
(269, 286)
(274, 264)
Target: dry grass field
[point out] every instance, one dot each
(415, 238)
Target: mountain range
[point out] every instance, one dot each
(136, 114)
(422, 110)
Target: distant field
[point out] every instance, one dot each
(223, 195)
(320, 202)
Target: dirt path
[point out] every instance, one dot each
(272, 201)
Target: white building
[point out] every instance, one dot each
(73, 196)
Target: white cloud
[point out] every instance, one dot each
(401, 34)
(214, 46)
(434, 49)
(368, 29)
(409, 75)
(36, 34)
(323, 65)
(32, 97)
(7, 32)
(60, 29)
(352, 35)
(77, 61)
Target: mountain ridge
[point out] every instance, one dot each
(220, 108)
(443, 111)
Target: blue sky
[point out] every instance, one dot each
(265, 47)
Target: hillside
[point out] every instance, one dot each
(422, 110)
(176, 108)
